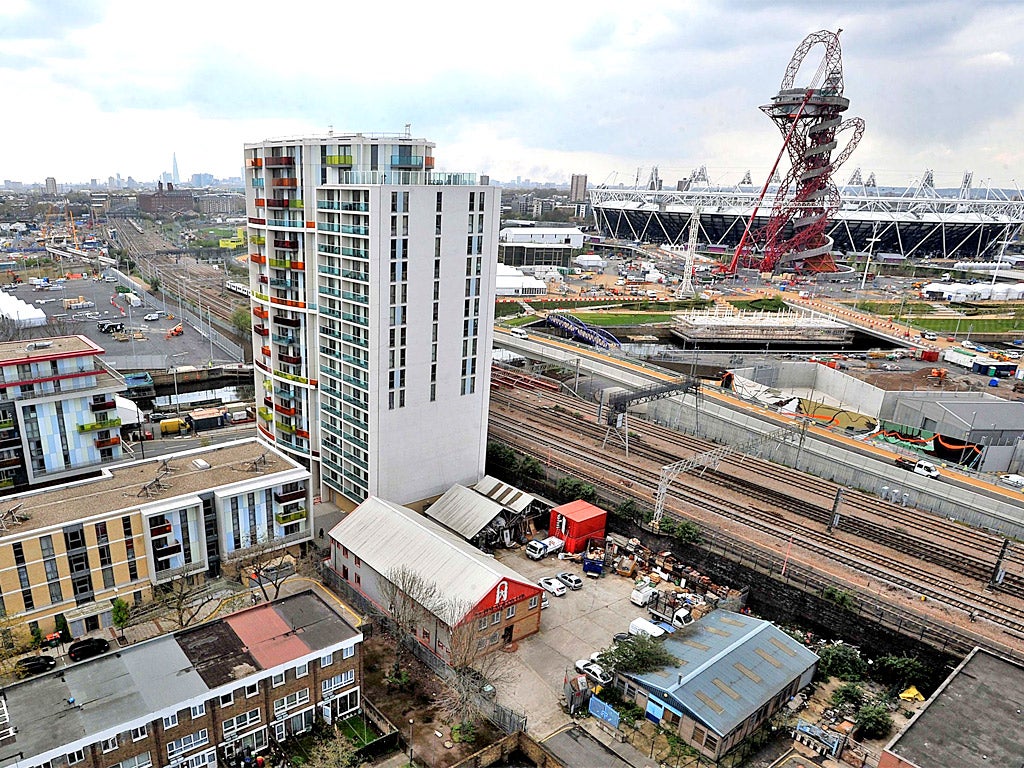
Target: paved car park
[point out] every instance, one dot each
(574, 626)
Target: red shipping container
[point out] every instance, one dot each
(576, 523)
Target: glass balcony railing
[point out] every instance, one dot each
(338, 160)
(352, 274)
(105, 424)
(283, 518)
(285, 427)
(407, 161)
(267, 414)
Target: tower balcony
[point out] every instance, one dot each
(260, 202)
(261, 330)
(290, 359)
(287, 245)
(265, 413)
(283, 518)
(275, 202)
(407, 161)
(106, 405)
(288, 182)
(287, 322)
(261, 312)
(283, 282)
(257, 220)
(283, 497)
(265, 351)
(108, 442)
(287, 264)
(273, 162)
(7, 423)
(428, 162)
(102, 424)
(285, 427)
(285, 410)
(257, 258)
(254, 162)
(338, 160)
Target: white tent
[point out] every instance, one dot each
(24, 315)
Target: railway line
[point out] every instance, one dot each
(858, 546)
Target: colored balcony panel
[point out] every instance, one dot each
(105, 405)
(288, 182)
(285, 339)
(338, 160)
(265, 350)
(283, 282)
(14, 461)
(284, 410)
(288, 322)
(290, 359)
(103, 424)
(284, 518)
(257, 220)
(261, 330)
(288, 245)
(285, 427)
(260, 202)
(283, 497)
(276, 203)
(406, 161)
(7, 423)
(295, 204)
(428, 162)
(276, 162)
(261, 312)
(254, 162)
(258, 240)
(266, 414)
(257, 258)
(108, 442)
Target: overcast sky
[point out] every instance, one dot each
(539, 90)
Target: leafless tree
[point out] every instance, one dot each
(264, 564)
(185, 598)
(14, 641)
(479, 668)
(407, 597)
(334, 750)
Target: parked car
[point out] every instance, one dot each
(571, 580)
(152, 316)
(33, 665)
(544, 602)
(593, 671)
(87, 647)
(552, 585)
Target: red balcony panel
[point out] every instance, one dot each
(290, 359)
(265, 351)
(287, 410)
(288, 245)
(262, 330)
(283, 497)
(264, 279)
(428, 162)
(160, 529)
(257, 258)
(260, 202)
(256, 162)
(276, 203)
(256, 220)
(271, 162)
(106, 405)
(288, 181)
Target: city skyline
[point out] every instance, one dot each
(608, 94)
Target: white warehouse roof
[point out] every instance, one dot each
(463, 510)
(388, 537)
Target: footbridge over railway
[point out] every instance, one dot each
(724, 417)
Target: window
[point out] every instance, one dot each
(240, 722)
(138, 761)
(139, 733)
(302, 670)
(277, 680)
(496, 617)
(338, 681)
(348, 653)
(534, 602)
(76, 757)
(108, 745)
(481, 623)
(171, 720)
(290, 701)
(510, 612)
(326, 661)
(711, 742)
(252, 690)
(426, 635)
(198, 710)
(356, 561)
(227, 699)
(187, 742)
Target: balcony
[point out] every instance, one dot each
(289, 339)
(261, 312)
(338, 160)
(277, 162)
(104, 424)
(108, 442)
(265, 351)
(11, 462)
(353, 229)
(295, 204)
(159, 527)
(257, 183)
(284, 410)
(266, 414)
(351, 274)
(428, 162)
(274, 202)
(284, 394)
(268, 401)
(287, 245)
(254, 162)
(260, 202)
(106, 405)
(257, 220)
(406, 161)
(283, 518)
(359, 319)
(288, 182)
(288, 322)
(285, 427)
(7, 423)
(283, 282)
(167, 552)
(261, 330)
(257, 258)
(287, 264)
(290, 359)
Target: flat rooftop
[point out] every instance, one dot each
(61, 346)
(125, 688)
(128, 486)
(973, 720)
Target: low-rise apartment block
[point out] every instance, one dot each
(192, 698)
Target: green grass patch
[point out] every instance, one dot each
(890, 308)
(972, 324)
(761, 305)
(615, 319)
(356, 730)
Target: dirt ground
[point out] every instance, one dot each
(432, 736)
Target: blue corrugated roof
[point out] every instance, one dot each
(729, 666)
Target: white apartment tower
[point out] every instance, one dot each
(372, 281)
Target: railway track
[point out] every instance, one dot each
(880, 566)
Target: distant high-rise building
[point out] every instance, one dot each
(202, 179)
(578, 188)
(51, 186)
(372, 280)
(174, 167)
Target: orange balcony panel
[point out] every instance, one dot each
(310, 225)
(285, 409)
(302, 433)
(428, 162)
(256, 162)
(265, 351)
(261, 312)
(108, 442)
(257, 258)
(260, 202)
(285, 182)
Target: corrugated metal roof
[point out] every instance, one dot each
(388, 537)
(463, 510)
(730, 666)
(507, 495)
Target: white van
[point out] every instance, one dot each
(642, 626)
(519, 333)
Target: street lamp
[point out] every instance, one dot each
(410, 740)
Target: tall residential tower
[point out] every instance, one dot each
(372, 281)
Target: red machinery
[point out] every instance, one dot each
(810, 119)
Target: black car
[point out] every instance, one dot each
(33, 665)
(90, 646)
